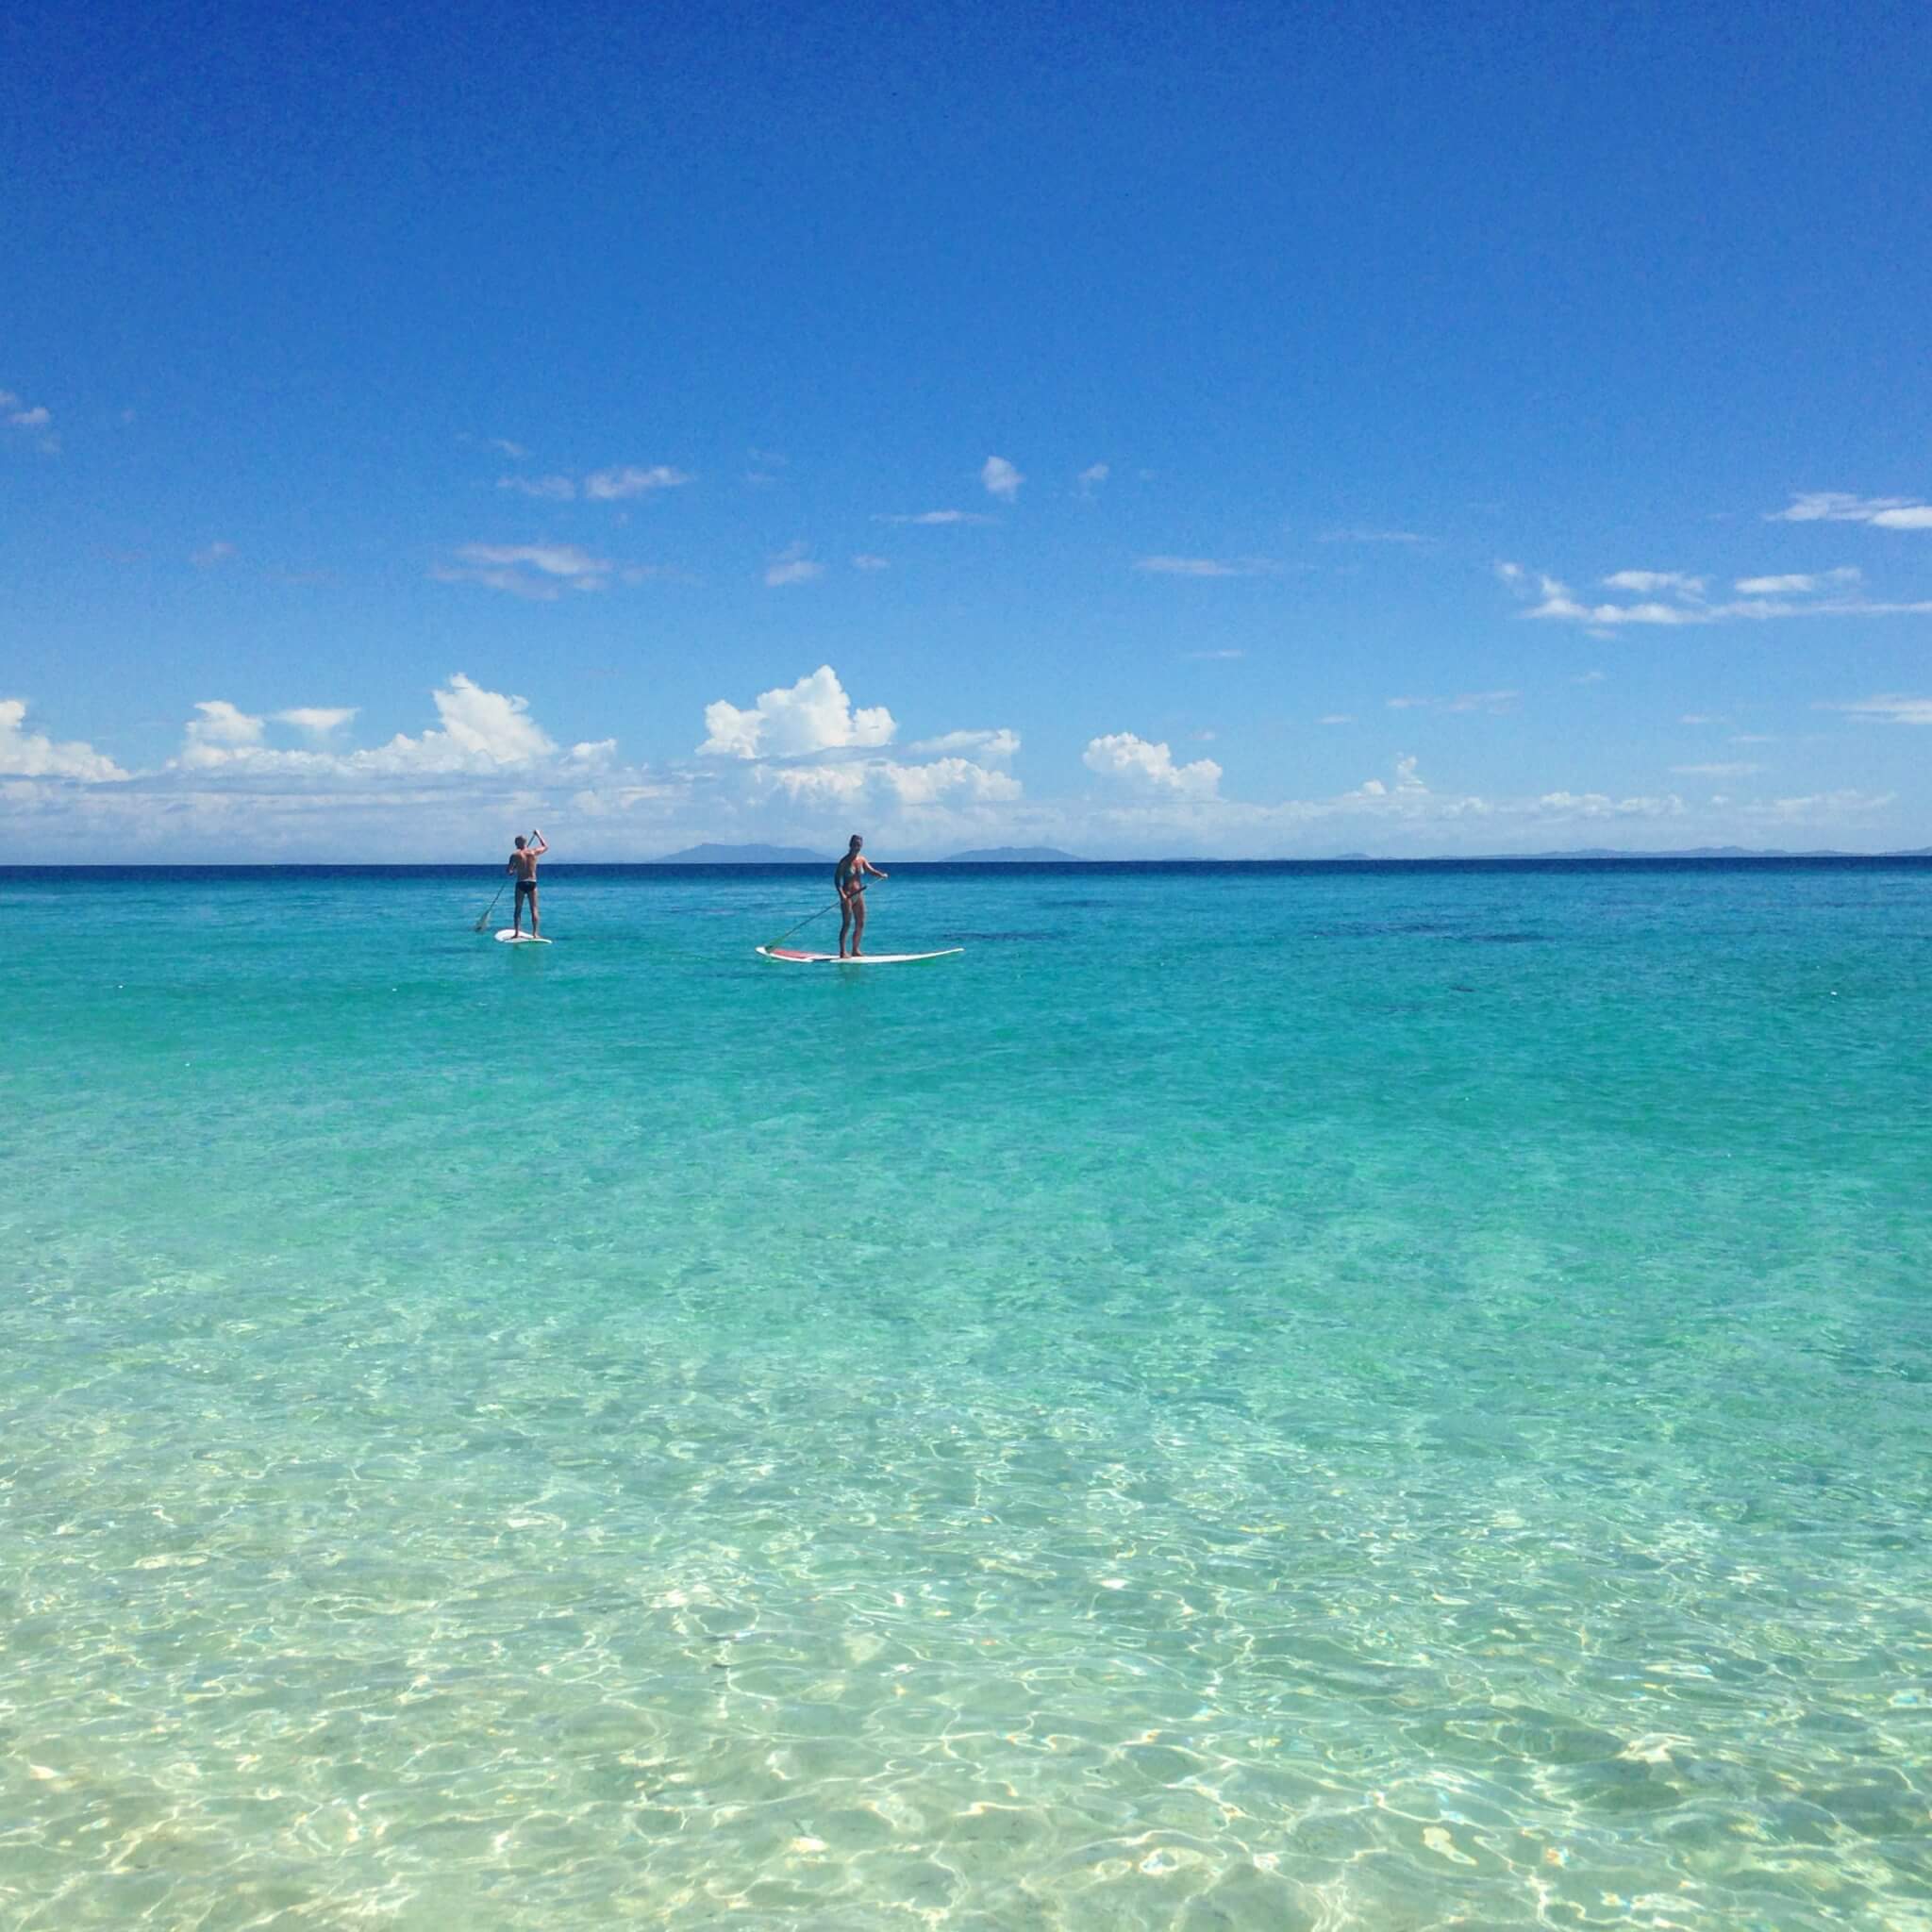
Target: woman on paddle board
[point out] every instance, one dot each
(523, 861)
(849, 876)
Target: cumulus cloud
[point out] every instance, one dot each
(33, 755)
(1837, 506)
(1803, 584)
(1001, 478)
(793, 566)
(1208, 566)
(535, 571)
(1890, 710)
(1150, 767)
(813, 715)
(1091, 477)
(931, 516)
(219, 730)
(478, 731)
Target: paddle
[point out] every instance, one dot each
(808, 920)
(491, 906)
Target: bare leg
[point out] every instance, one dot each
(844, 925)
(535, 928)
(858, 924)
(516, 918)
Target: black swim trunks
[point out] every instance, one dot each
(525, 886)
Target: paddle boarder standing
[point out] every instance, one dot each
(849, 876)
(523, 861)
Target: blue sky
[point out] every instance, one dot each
(1215, 430)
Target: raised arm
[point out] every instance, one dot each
(541, 845)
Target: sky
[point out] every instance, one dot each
(1219, 431)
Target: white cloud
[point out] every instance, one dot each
(31, 419)
(1336, 718)
(33, 755)
(1587, 677)
(1001, 478)
(1091, 477)
(481, 731)
(1353, 536)
(1559, 605)
(535, 571)
(1225, 656)
(1649, 582)
(553, 488)
(813, 715)
(221, 725)
(793, 566)
(1800, 584)
(516, 450)
(212, 554)
(933, 516)
(1003, 743)
(610, 486)
(1150, 767)
(1837, 506)
(1817, 808)
(866, 559)
(1208, 566)
(1716, 771)
(318, 721)
(1495, 702)
(1891, 710)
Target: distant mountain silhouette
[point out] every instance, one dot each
(1014, 855)
(744, 855)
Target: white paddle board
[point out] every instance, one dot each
(796, 957)
(509, 936)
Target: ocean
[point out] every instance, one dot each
(1382, 1396)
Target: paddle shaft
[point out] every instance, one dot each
(806, 922)
(496, 895)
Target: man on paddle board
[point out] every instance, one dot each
(523, 861)
(849, 876)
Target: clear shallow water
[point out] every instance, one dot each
(1317, 1398)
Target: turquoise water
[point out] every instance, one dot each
(1300, 1398)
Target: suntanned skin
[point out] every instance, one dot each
(852, 873)
(523, 861)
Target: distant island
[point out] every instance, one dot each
(744, 855)
(1014, 855)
